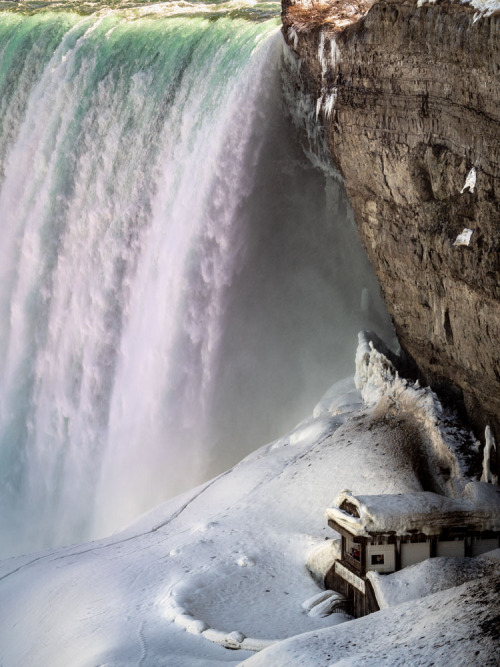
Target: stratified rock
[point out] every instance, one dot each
(410, 101)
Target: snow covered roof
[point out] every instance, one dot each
(423, 511)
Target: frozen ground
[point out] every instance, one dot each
(223, 566)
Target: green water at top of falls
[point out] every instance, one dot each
(250, 10)
(122, 43)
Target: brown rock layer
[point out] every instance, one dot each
(417, 105)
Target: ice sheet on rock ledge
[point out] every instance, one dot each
(470, 181)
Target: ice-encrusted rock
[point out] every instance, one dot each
(416, 119)
(416, 411)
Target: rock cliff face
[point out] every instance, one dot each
(409, 99)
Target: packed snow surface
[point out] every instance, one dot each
(429, 576)
(456, 627)
(224, 567)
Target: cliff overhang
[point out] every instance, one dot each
(408, 99)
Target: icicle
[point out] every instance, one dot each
(330, 103)
(321, 55)
(334, 53)
(319, 102)
(470, 181)
(293, 37)
(490, 446)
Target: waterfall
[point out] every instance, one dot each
(177, 283)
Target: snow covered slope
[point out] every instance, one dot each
(456, 627)
(222, 566)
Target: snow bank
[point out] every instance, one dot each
(493, 556)
(173, 610)
(458, 626)
(342, 398)
(328, 606)
(321, 559)
(308, 604)
(486, 497)
(428, 577)
(235, 640)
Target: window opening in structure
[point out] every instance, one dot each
(355, 552)
(377, 559)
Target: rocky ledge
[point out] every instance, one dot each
(408, 99)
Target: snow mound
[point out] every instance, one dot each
(313, 430)
(342, 398)
(328, 606)
(430, 576)
(308, 604)
(320, 560)
(458, 626)
(493, 556)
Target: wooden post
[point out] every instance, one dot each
(433, 550)
(468, 546)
